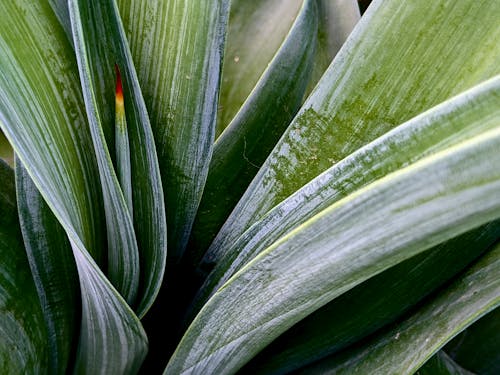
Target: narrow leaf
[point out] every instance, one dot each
(408, 345)
(256, 30)
(53, 269)
(372, 305)
(387, 222)
(243, 146)
(401, 59)
(451, 122)
(24, 339)
(41, 109)
(178, 55)
(123, 254)
(98, 50)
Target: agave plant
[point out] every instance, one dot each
(256, 187)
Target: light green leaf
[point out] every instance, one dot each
(371, 305)
(254, 131)
(178, 55)
(381, 225)
(442, 364)
(401, 59)
(451, 122)
(41, 110)
(255, 32)
(477, 347)
(53, 269)
(23, 343)
(408, 345)
(98, 50)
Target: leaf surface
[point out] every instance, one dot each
(53, 269)
(24, 339)
(42, 110)
(381, 225)
(99, 48)
(177, 47)
(242, 148)
(407, 346)
(401, 59)
(451, 122)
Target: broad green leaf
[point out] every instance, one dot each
(24, 339)
(100, 44)
(401, 59)
(41, 110)
(451, 122)
(256, 30)
(251, 135)
(408, 345)
(53, 269)
(477, 347)
(177, 47)
(371, 305)
(381, 225)
(442, 364)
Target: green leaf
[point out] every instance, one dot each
(408, 345)
(401, 59)
(451, 122)
(371, 305)
(256, 30)
(477, 347)
(243, 146)
(442, 364)
(381, 225)
(53, 269)
(178, 55)
(41, 110)
(337, 20)
(100, 44)
(23, 346)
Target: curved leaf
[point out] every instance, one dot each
(53, 269)
(371, 305)
(256, 30)
(178, 55)
(41, 109)
(401, 59)
(23, 343)
(408, 345)
(379, 226)
(451, 122)
(99, 48)
(243, 146)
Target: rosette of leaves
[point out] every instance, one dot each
(264, 187)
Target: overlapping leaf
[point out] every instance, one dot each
(24, 338)
(361, 235)
(456, 120)
(177, 47)
(408, 345)
(243, 146)
(401, 59)
(42, 115)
